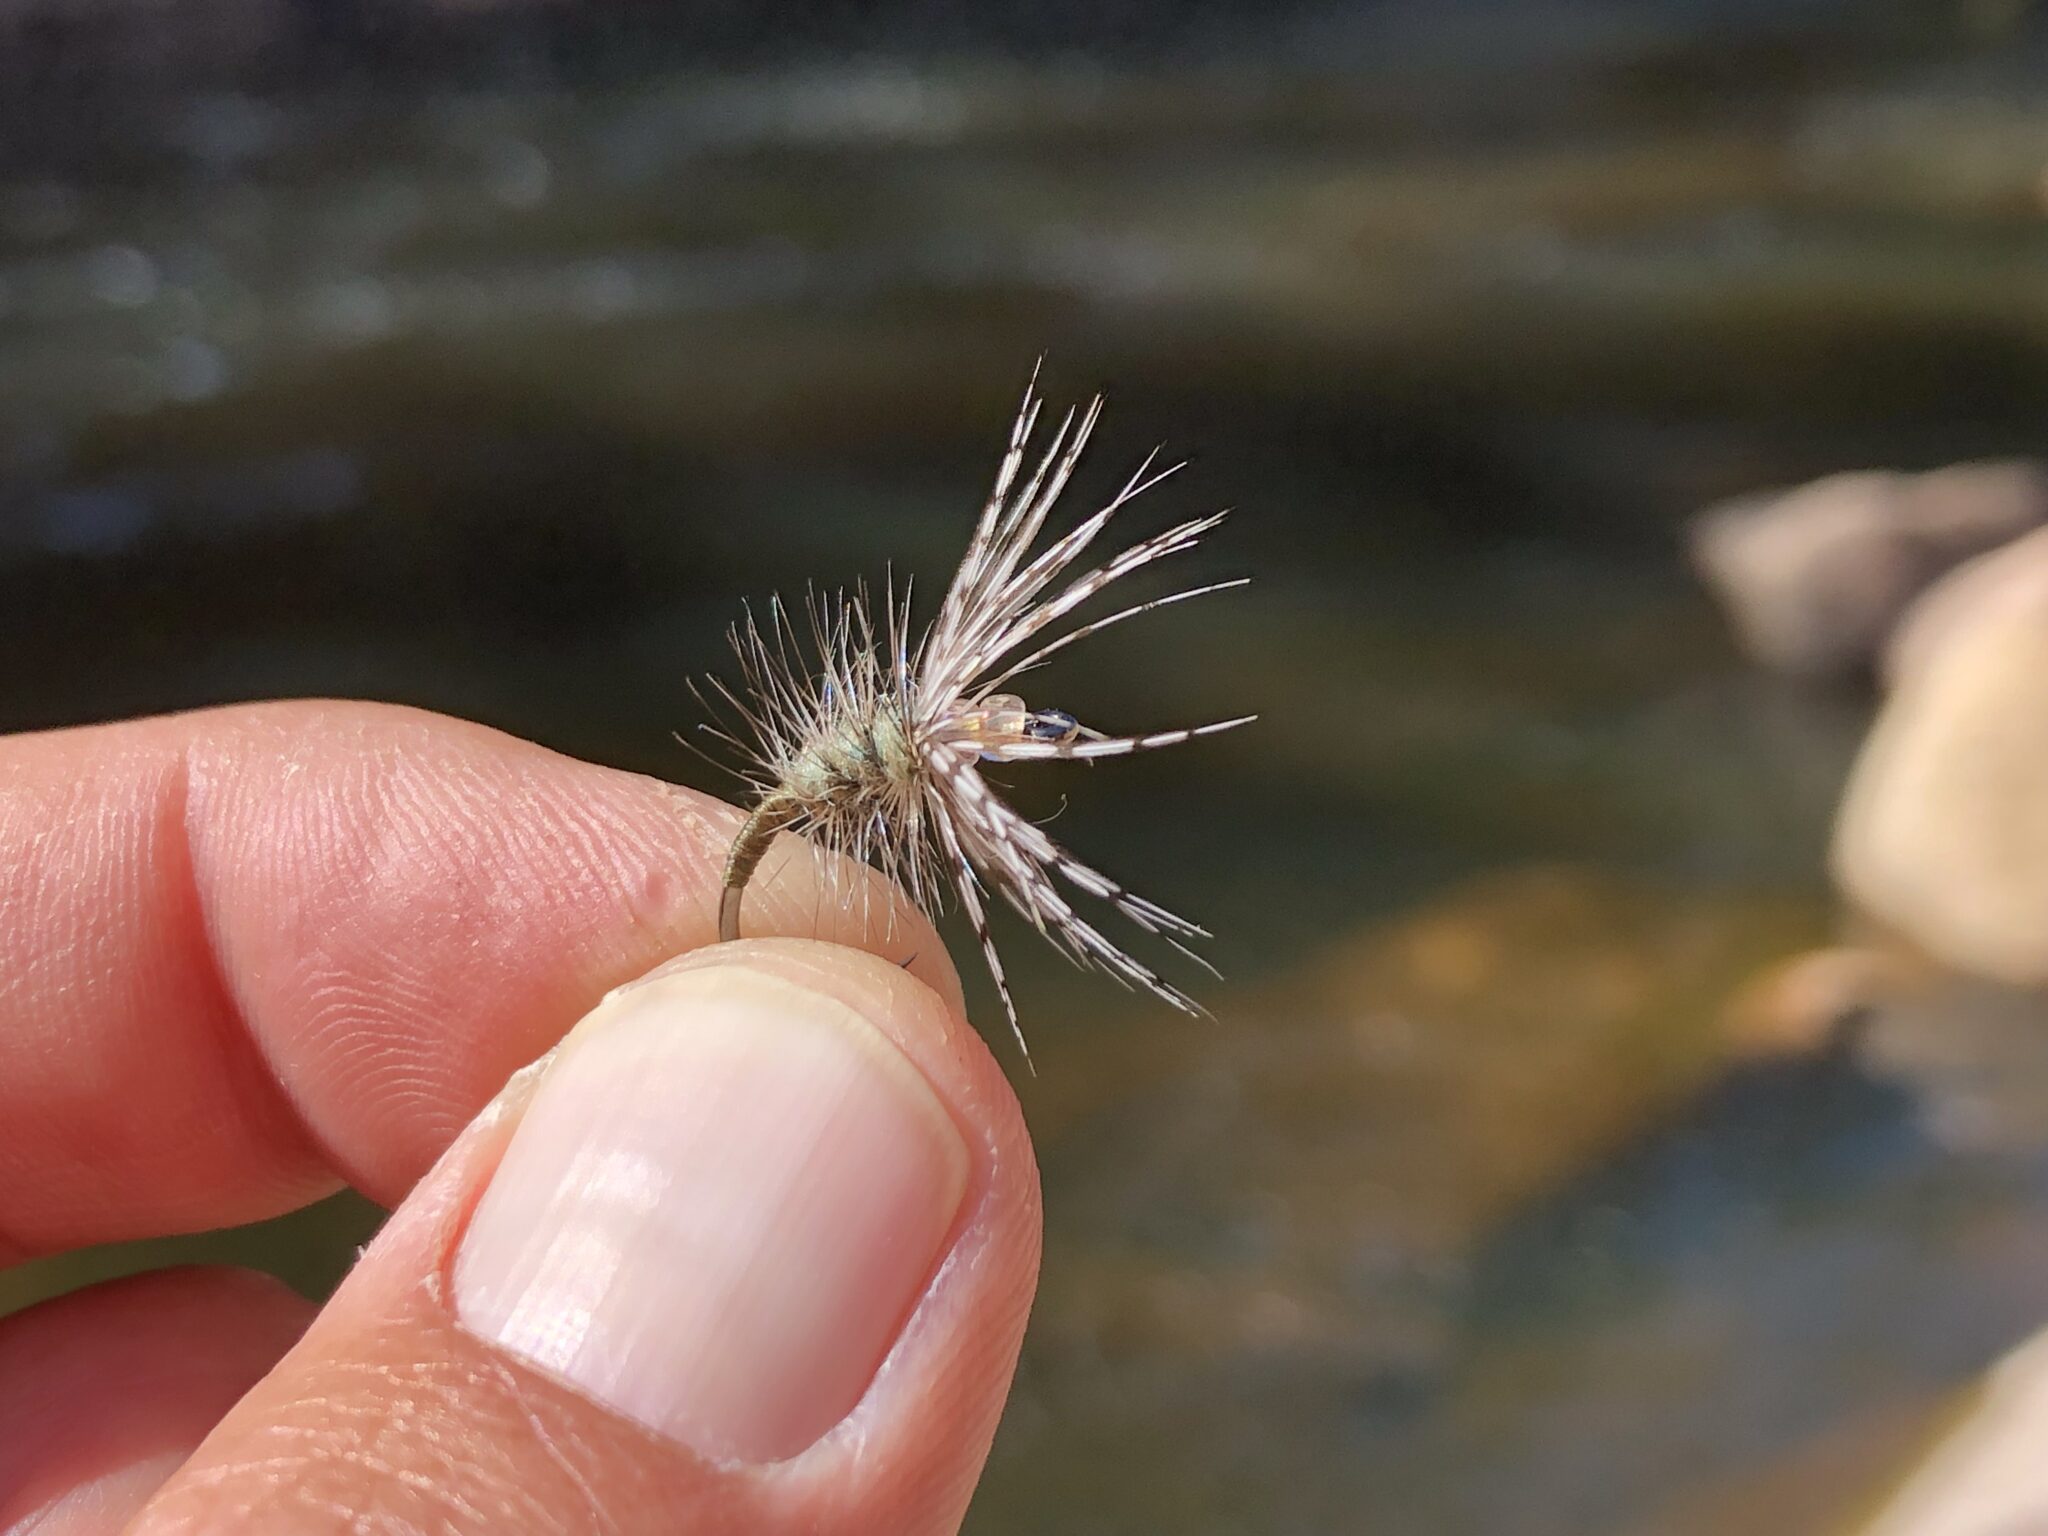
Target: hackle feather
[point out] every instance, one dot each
(871, 747)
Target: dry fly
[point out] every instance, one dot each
(872, 746)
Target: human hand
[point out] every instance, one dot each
(750, 1251)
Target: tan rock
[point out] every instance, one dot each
(1985, 1478)
(2010, 581)
(1814, 578)
(1816, 1003)
(1943, 831)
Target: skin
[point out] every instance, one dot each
(250, 954)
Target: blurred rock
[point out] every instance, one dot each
(2006, 583)
(1984, 1478)
(1814, 578)
(1943, 831)
(1814, 1004)
(1972, 1054)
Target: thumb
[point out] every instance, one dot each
(751, 1251)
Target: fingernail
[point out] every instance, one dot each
(720, 1206)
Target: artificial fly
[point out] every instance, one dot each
(872, 747)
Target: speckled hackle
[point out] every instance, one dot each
(873, 748)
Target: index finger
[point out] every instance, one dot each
(250, 952)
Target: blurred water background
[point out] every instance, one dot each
(485, 359)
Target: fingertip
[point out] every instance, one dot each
(785, 901)
(845, 1168)
(308, 941)
(751, 1251)
(105, 1391)
(920, 1007)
